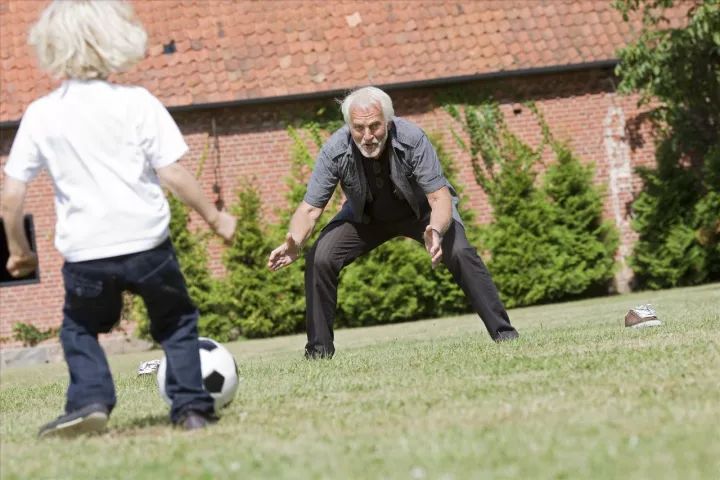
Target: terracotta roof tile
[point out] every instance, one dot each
(231, 50)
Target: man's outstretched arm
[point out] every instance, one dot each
(302, 224)
(440, 219)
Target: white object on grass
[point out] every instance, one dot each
(148, 367)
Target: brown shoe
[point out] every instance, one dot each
(642, 316)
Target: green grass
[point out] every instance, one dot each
(578, 396)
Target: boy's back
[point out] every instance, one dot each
(100, 143)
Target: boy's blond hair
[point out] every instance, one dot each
(87, 39)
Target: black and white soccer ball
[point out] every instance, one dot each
(219, 372)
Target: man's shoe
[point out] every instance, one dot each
(193, 420)
(506, 336)
(88, 420)
(318, 353)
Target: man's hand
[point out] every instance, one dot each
(285, 254)
(224, 225)
(22, 265)
(433, 245)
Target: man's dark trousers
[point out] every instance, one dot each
(93, 302)
(341, 243)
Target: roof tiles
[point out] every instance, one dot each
(238, 50)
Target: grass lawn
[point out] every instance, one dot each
(578, 396)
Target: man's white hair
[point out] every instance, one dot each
(87, 39)
(365, 97)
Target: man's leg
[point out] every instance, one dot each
(155, 275)
(338, 245)
(472, 276)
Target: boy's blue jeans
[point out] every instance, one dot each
(93, 302)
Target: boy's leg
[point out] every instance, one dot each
(92, 305)
(155, 275)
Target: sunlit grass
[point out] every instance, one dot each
(578, 396)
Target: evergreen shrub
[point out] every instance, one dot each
(547, 239)
(674, 69)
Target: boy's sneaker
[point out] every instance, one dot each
(88, 420)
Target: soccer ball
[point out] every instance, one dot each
(219, 372)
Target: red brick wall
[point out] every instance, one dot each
(253, 144)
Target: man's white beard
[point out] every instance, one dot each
(377, 149)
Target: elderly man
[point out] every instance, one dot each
(394, 186)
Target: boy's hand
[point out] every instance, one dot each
(224, 225)
(22, 265)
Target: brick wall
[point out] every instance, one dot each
(253, 145)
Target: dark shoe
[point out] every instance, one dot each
(88, 420)
(506, 335)
(193, 420)
(317, 353)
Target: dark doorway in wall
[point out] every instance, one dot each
(6, 280)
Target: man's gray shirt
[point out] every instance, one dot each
(414, 169)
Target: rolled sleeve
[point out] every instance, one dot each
(426, 167)
(25, 160)
(322, 183)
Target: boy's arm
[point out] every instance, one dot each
(21, 261)
(186, 187)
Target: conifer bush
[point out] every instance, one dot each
(547, 239)
(675, 71)
(259, 303)
(678, 221)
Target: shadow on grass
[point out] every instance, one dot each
(136, 425)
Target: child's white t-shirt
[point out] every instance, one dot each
(100, 143)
